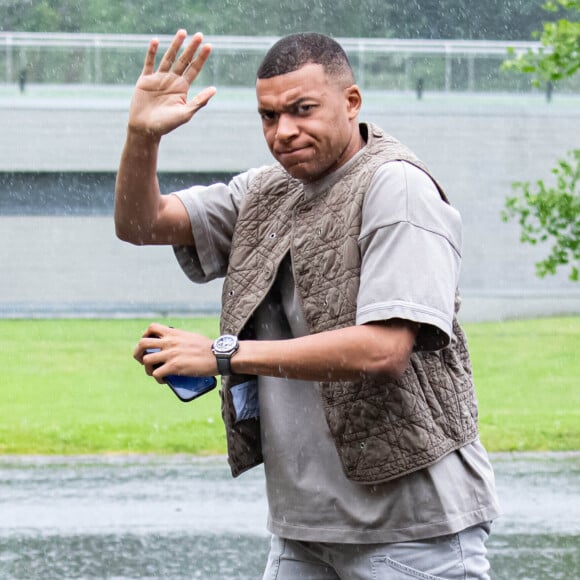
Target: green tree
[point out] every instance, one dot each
(551, 213)
(465, 19)
(493, 19)
(42, 15)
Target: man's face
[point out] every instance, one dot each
(309, 121)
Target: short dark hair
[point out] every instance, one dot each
(297, 50)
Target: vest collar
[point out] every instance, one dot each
(318, 187)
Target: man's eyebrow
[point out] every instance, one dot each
(290, 107)
(264, 110)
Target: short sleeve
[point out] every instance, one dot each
(213, 211)
(410, 244)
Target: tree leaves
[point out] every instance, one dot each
(551, 214)
(466, 19)
(559, 56)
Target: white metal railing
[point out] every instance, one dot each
(17, 47)
(262, 43)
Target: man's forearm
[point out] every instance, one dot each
(137, 188)
(348, 353)
(159, 105)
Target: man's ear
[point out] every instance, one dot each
(354, 101)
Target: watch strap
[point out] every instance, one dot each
(223, 364)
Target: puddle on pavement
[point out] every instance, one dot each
(173, 517)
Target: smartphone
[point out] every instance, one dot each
(188, 388)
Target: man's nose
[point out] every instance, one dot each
(286, 127)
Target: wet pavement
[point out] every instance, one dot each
(124, 517)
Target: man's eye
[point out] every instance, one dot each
(304, 109)
(268, 116)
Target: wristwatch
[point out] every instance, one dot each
(224, 348)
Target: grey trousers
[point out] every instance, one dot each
(458, 556)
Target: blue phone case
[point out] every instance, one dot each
(188, 388)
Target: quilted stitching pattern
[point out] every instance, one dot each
(261, 239)
(381, 429)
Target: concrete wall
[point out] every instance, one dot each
(475, 146)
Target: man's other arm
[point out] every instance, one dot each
(159, 105)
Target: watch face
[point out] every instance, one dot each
(225, 343)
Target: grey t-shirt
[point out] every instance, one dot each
(410, 245)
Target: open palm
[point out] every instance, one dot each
(160, 102)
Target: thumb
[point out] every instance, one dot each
(202, 99)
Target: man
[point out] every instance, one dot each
(344, 368)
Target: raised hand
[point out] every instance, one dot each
(160, 102)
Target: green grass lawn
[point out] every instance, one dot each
(72, 386)
(527, 377)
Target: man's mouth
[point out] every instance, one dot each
(288, 155)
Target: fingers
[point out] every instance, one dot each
(196, 64)
(151, 340)
(188, 57)
(149, 354)
(149, 65)
(145, 348)
(164, 350)
(188, 64)
(170, 54)
(156, 330)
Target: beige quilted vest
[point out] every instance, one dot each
(382, 429)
